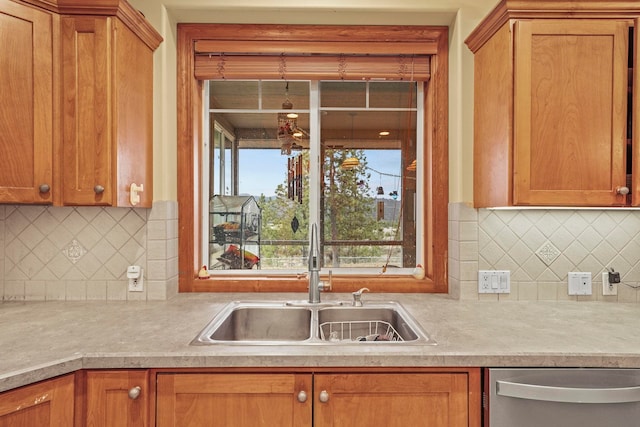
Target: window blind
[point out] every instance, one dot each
(226, 59)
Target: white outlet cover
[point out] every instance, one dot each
(579, 283)
(494, 281)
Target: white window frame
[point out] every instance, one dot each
(315, 179)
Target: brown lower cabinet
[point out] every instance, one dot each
(113, 398)
(44, 404)
(349, 397)
(356, 399)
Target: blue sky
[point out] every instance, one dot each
(262, 170)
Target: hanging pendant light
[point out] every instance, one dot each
(350, 163)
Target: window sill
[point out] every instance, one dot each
(348, 283)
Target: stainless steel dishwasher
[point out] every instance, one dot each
(560, 397)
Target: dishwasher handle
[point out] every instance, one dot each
(568, 394)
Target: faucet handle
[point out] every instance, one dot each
(327, 286)
(357, 297)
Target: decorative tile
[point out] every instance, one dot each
(74, 251)
(548, 253)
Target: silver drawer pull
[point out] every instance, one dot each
(98, 189)
(568, 394)
(134, 392)
(622, 191)
(44, 188)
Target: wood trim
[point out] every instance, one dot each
(493, 130)
(635, 107)
(130, 16)
(437, 167)
(188, 182)
(474, 389)
(315, 33)
(80, 397)
(436, 150)
(401, 284)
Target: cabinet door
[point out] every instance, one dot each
(49, 403)
(239, 400)
(26, 104)
(117, 398)
(87, 116)
(570, 112)
(391, 400)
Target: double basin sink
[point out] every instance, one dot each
(298, 322)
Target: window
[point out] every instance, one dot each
(362, 183)
(404, 205)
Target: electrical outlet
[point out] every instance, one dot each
(135, 275)
(579, 283)
(494, 281)
(136, 285)
(609, 288)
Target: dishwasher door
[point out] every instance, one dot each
(560, 397)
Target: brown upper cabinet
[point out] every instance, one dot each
(556, 104)
(78, 130)
(27, 134)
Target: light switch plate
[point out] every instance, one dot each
(579, 283)
(494, 281)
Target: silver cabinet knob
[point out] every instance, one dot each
(44, 188)
(98, 189)
(134, 392)
(302, 396)
(324, 396)
(622, 191)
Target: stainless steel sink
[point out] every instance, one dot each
(297, 322)
(367, 323)
(257, 322)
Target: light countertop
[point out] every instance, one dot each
(40, 340)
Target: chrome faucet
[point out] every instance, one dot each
(357, 297)
(315, 285)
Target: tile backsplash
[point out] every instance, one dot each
(540, 246)
(82, 253)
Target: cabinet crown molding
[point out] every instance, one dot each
(507, 10)
(132, 18)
